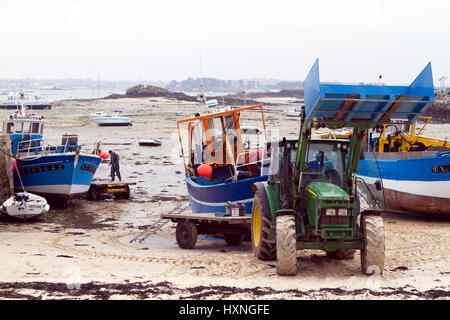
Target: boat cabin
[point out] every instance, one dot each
(29, 124)
(26, 132)
(217, 139)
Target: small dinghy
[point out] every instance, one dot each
(25, 205)
(149, 142)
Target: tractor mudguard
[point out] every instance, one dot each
(370, 213)
(268, 196)
(285, 212)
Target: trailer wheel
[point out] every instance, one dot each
(372, 256)
(262, 247)
(186, 234)
(347, 254)
(233, 239)
(124, 195)
(286, 246)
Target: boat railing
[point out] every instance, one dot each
(243, 163)
(30, 147)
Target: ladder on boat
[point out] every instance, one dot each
(158, 224)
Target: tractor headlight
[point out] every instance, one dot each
(342, 212)
(330, 212)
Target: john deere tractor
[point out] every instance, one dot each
(311, 199)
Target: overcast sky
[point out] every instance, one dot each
(227, 39)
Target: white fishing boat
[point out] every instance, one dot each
(32, 100)
(25, 205)
(294, 112)
(112, 120)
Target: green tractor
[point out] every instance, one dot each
(311, 199)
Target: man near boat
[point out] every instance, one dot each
(114, 165)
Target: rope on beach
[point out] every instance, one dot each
(158, 224)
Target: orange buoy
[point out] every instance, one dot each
(103, 154)
(13, 164)
(204, 170)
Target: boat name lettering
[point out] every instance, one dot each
(86, 167)
(42, 169)
(441, 169)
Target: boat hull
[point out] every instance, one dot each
(32, 207)
(28, 106)
(111, 124)
(150, 143)
(112, 121)
(57, 175)
(213, 198)
(412, 181)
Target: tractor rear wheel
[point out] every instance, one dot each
(286, 246)
(186, 234)
(262, 247)
(372, 256)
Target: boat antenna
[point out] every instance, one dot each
(201, 97)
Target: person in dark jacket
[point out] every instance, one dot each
(114, 165)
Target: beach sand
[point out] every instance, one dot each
(84, 251)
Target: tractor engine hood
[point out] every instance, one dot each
(326, 191)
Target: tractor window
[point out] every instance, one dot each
(327, 160)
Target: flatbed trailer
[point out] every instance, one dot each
(190, 225)
(120, 189)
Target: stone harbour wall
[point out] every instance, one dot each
(6, 176)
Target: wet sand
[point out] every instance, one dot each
(84, 251)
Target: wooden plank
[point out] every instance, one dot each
(387, 117)
(347, 104)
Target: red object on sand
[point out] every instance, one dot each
(103, 154)
(205, 170)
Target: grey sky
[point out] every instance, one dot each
(165, 40)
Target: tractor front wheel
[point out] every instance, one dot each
(372, 256)
(286, 246)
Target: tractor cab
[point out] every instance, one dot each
(322, 198)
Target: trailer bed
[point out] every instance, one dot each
(189, 225)
(120, 189)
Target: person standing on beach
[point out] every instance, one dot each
(114, 165)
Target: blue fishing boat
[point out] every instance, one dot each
(57, 172)
(412, 181)
(215, 141)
